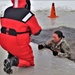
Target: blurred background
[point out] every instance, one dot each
(43, 4)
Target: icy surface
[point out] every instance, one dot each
(45, 64)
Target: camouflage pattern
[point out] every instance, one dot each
(62, 47)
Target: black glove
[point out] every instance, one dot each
(55, 53)
(40, 47)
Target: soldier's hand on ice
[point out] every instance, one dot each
(40, 46)
(55, 53)
(60, 55)
(63, 55)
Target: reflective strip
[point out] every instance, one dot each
(16, 3)
(27, 17)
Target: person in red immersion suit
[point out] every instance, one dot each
(18, 24)
(26, 4)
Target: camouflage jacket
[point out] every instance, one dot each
(62, 47)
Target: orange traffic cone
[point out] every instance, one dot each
(53, 13)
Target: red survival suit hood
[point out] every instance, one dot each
(19, 3)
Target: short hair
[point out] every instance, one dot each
(59, 33)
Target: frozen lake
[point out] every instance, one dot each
(43, 4)
(66, 18)
(64, 9)
(46, 63)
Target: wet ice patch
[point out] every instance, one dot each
(46, 35)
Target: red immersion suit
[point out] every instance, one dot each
(17, 26)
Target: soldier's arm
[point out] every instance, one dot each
(45, 45)
(65, 47)
(48, 44)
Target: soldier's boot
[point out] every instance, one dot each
(8, 63)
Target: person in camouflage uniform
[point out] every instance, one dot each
(57, 45)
